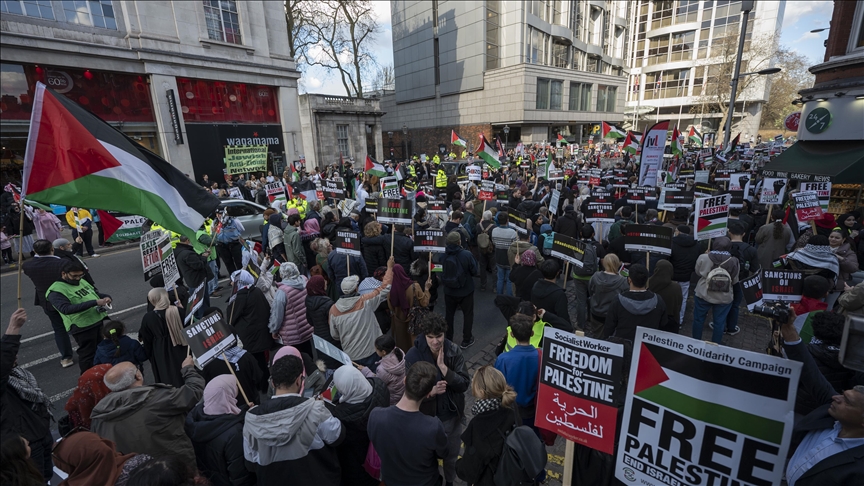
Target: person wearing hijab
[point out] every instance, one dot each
(90, 460)
(275, 238)
(249, 314)
(713, 297)
(358, 396)
(525, 274)
(91, 388)
(215, 427)
(405, 294)
(310, 230)
(158, 334)
(847, 262)
(288, 323)
(824, 226)
(661, 283)
(318, 304)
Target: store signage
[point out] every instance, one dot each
(175, 116)
(59, 81)
(794, 175)
(792, 121)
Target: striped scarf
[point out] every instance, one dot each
(485, 405)
(24, 384)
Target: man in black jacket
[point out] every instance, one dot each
(459, 270)
(568, 224)
(547, 294)
(403, 248)
(193, 269)
(24, 408)
(748, 264)
(636, 307)
(63, 251)
(43, 271)
(685, 252)
(827, 444)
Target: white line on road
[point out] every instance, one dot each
(45, 359)
(39, 336)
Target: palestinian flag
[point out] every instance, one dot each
(676, 146)
(457, 140)
(374, 168)
(560, 138)
(74, 158)
(611, 131)
(695, 137)
(631, 142)
(804, 325)
(730, 147)
(110, 224)
(488, 153)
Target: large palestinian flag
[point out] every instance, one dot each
(74, 158)
(611, 131)
(676, 146)
(457, 140)
(631, 142)
(487, 153)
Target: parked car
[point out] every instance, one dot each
(250, 215)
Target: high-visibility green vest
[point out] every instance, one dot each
(441, 178)
(200, 247)
(301, 206)
(464, 154)
(83, 292)
(536, 339)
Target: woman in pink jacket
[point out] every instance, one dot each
(288, 322)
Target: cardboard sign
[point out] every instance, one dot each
(579, 387)
(640, 195)
(648, 237)
(431, 240)
(371, 206)
(436, 208)
(487, 191)
(347, 242)
(502, 194)
(327, 348)
(153, 243)
(773, 190)
(333, 188)
(196, 300)
(600, 213)
(706, 189)
(712, 216)
(782, 285)
(553, 201)
(723, 175)
(726, 399)
(671, 199)
(395, 211)
(390, 187)
(274, 190)
(234, 193)
(568, 249)
(518, 221)
(752, 289)
(688, 173)
(475, 173)
(807, 206)
(702, 175)
(208, 338)
(170, 272)
(823, 190)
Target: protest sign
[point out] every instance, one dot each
(347, 241)
(371, 206)
(752, 290)
(234, 193)
(688, 173)
(474, 172)
(390, 187)
(739, 184)
(782, 285)
(705, 189)
(245, 158)
(518, 221)
(502, 194)
(701, 414)
(723, 175)
(823, 190)
(701, 175)
(594, 177)
(712, 215)
(773, 190)
(487, 191)
(639, 195)
(208, 338)
(327, 348)
(578, 389)
(671, 199)
(807, 206)
(620, 179)
(275, 190)
(554, 173)
(436, 208)
(196, 300)
(648, 237)
(430, 240)
(395, 211)
(600, 213)
(333, 188)
(653, 145)
(678, 186)
(170, 272)
(152, 245)
(568, 249)
(553, 201)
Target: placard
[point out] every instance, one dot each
(518, 221)
(648, 237)
(234, 193)
(752, 290)
(153, 243)
(371, 206)
(431, 240)
(723, 175)
(274, 190)
(701, 175)
(568, 249)
(773, 190)
(347, 242)
(553, 201)
(475, 173)
(706, 189)
(390, 187)
(437, 208)
(170, 272)
(208, 338)
(487, 191)
(638, 195)
(327, 348)
(823, 190)
(600, 213)
(245, 158)
(333, 188)
(579, 388)
(712, 216)
(671, 199)
(395, 211)
(699, 414)
(688, 173)
(196, 300)
(782, 285)
(807, 206)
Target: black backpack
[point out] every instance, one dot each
(522, 459)
(454, 275)
(744, 258)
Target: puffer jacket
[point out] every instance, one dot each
(293, 327)
(451, 402)
(355, 418)
(403, 251)
(218, 444)
(568, 224)
(391, 370)
(685, 252)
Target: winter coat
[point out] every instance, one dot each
(848, 264)
(247, 371)
(604, 290)
(218, 444)
(550, 296)
(685, 252)
(293, 248)
(17, 415)
(337, 268)
(353, 323)
(770, 249)
(523, 279)
(391, 371)
(633, 309)
(452, 402)
(293, 327)
(399, 318)
(569, 224)
(165, 358)
(403, 251)
(318, 315)
(852, 301)
(375, 251)
(251, 314)
(484, 441)
(467, 264)
(502, 237)
(150, 419)
(704, 265)
(661, 283)
(130, 350)
(355, 418)
(193, 267)
(521, 247)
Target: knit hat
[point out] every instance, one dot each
(349, 284)
(826, 221)
(60, 242)
(528, 258)
(453, 238)
(684, 229)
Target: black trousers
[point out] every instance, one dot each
(61, 337)
(88, 339)
(87, 236)
(467, 305)
(231, 254)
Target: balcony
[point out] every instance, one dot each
(343, 104)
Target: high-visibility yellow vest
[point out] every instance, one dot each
(452, 155)
(436, 160)
(536, 340)
(441, 179)
(410, 186)
(412, 171)
(464, 154)
(175, 237)
(302, 205)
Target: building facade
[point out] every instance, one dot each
(681, 58)
(335, 126)
(184, 79)
(539, 68)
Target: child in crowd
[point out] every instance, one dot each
(391, 368)
(118, 347)
(6, 247)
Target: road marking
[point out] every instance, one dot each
(62, 395)
(40, 336)
(45, 359)
(555, 459)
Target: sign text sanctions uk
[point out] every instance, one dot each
(700, 414)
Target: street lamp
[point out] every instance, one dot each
(405, 139)
(506, 136)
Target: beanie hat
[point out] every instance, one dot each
(684, 229)
(349, 284)
(453, 238)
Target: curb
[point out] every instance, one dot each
(105, 250)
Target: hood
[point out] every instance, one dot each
(607, 283)
(684, 240)
(544, 288)
(662, 275)
(279, 427)
(638, 303)
(291, 229)
(346, 303)
(394, 363)
(453, 249)
(201, 427)
(119, 405)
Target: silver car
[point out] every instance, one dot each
(250, 215)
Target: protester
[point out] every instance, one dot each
(162, 345)
(309, 232)
(47, 225)
(23, 241)
(375, 245)
(90, 390)
(459, 270)
(318, 304)
(390, 369)
(63, 251)
(685, 252)
(249, 314)
(718, 274)
(502, 237)
(815, 258)
(604, 288)
(852, 300)
(748, 264)
(228, 244)
(166, 471)
(193, 268)
(521, 368)
(293, 247)
(485, 248)
(772, 240)
(338, 268)
(525, 274)
(117, 346)
(847, 262)
(16, 465)
(547, 294)
(44, 270)
(635, 307)
(89, 460)
(405, 295)
(288, 322)
(580, 277)
(669, 291)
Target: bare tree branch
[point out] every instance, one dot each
(300, 16)
(785, 86)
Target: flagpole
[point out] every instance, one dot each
(20, 247)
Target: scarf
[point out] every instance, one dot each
(316, 286)
(352, 385)
(310, 229)
(234, 354)
(159, 298)
(485, 405)
(291, 276)
(25, 385)
(399, 289)
(817, 257)
(220, 396)
(91, 389)
(89, 459)
(242, 279)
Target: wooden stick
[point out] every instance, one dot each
(392, 238)
(569, 451)
(20, 248)
(770, 208)
(566, 271)
(648, 261)
(239, 386)
(813, 226)
(348, 265)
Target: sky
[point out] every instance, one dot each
(800, 17)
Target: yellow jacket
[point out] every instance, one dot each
(83, 214)
(175, 237)
(441, 178)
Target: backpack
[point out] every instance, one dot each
(589, 262)
(453, 275)
(548, 239)
(484, 241)
(719, 279)
(522, 459)
(743, 260)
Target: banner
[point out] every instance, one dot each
(518, 221)
(245, 158)
(699, 414)
(807, 206)
(752, 289)
(648, 237)
(773, 190)
(568, 249)
(153, 243)
(234, 193)
(823, 190)
(170, 272)
(578, 389)
(431, 240)
(129, 230)
(599, 213)
(487, 191)
(208, 338)
(652, 148)
(712, 215)
(196, 300)
(782, 285)
(333, 188)
(390, 187)
(671, 199)
(348, 242)
(395, 211)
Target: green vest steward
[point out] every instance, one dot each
(200, 247)
(83, 292)
(536, 339)
(441, 179)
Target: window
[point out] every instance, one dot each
(662, 13)
(536, 47)
(435, 48)
(580, 97)
(91, 13)
(549, 93)
(856, 34)
(556, 12)
(342, 140)
(492, 38)
(593, 65)
(560, 52)
(687, 11)
(606, 98)
(557, 90)
(31, 8)
(223, 24)
(542, 94)
(667, 84)
(658, 50)
(682, 46)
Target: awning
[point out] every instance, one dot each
(837, 161)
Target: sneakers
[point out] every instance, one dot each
(95, 255)
(733, 331)
(467, 344)
(67, 362)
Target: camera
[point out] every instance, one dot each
(778, 312)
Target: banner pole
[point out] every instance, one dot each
(20, 248)
(239, 386)
(392, 238)
(813, 225)
(566, 271)
(770, 208)
(430, 265)
(648, 261)
(348, 265)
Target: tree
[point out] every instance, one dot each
(785, 86)
(300, 16)
(385, 78)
